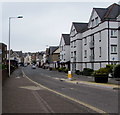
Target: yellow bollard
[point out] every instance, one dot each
(69, 75)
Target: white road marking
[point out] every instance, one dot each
(70, 98)
(31, 87)
(17, 77)
(43, 103)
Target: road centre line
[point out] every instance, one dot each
(70, 98)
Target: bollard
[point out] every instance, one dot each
(69, 75)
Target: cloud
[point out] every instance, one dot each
(43, 23)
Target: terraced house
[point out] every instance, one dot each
(65, 51)
(96, 44)
(119, 38)
(3, 53)
(76, 45)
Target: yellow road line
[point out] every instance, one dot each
(99, 84)
(70, 98)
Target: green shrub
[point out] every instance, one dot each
(2, 66)
(117, 71)
(50, 68)
(101, 75)
(110, 68)
(101, 71)
(87, 71)
(59, 69)
(77, 72)
(66, 70)
(62, 69)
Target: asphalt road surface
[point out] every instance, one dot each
(101, 98)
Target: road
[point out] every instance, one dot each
(101, 98)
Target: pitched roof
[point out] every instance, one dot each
(52, 49)
(109, 13)
(113, 11)
(80, 27)
(57, 51)
(119, 28)
(101, 12)
(66, 38)
(19, 53)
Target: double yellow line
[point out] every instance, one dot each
(70, 98)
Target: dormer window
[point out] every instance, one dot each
(92, 22)
(96, 21)
(73, 32)
(85, 41)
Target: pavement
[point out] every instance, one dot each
(87, 80)
(20, 95)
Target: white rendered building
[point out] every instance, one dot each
(96, 44)
(65, 51)
(76, 45)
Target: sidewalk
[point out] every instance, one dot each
(89, 80)
(19, 96)
(23, 96)
(80, 77)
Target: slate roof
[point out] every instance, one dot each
(80, 27)
(119, 28)
(109, 13)
(52, 49)
(66, 38)
(101, 12)
(19, 53)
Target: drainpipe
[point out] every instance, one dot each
(108, 42)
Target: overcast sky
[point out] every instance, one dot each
(43, 22)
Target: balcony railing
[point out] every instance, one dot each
(91, 44)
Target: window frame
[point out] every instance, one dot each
(113, 33)
(96, 21)
(113, 49)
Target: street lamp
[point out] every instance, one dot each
(9, 39)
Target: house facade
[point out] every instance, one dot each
(65, 51)
(76, 45)
(51, 57)
(119, 38)
(27, 59)
(56, 58)
(17, 56)
(101, 39)
(3, 53)
(96, 44)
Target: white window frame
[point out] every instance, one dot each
(100, 36)
(113, 49)
(85, 41)
(85, 53)
(96, 21)
(74, 43)
(113, 33)
(71, 54)
(92, 21)
(100, 51)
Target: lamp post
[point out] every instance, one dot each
(9, 39)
